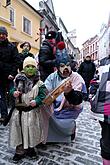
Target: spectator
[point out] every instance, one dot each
(26, 47)
(87, 70)
(9, 63)
(101, 104)
(46, 56)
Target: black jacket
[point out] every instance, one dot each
(77, 95)
(87, 70)
(9, 59)
(46, 60)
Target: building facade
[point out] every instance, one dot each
(22, 22)
(104, 40)
(63, 29)
(49, 22)
(90, 47)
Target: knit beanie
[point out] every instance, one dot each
(3, 30)
(50, 35)
(29, 61)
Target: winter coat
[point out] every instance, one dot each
(46, 60)
(9, 59)
(22, 57)
(101, 101)
(87, 70)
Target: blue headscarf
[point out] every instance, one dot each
(62, 57)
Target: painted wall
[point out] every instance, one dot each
(16, 33)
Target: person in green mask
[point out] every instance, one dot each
(27, 125)
(30, 70)
(26, 47)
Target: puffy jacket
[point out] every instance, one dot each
(9, 59)
(100, 103)
(87, 70)
(46, 60)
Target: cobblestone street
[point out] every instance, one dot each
(84, 150)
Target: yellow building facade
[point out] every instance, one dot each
(22, 22)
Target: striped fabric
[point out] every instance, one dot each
(101, 102)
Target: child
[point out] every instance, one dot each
(26, 122)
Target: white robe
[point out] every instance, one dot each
(29, 130)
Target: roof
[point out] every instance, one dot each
(33, 8)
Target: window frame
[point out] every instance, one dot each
(27, 31)
(13, 16)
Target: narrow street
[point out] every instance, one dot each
(84, 150)
(54, 52)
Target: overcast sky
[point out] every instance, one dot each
(86, 16)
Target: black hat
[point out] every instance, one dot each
(21, 46)
(3, 30)
(50, 35)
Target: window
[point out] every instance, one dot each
(90, 49)
(93, 48)
(26, 26)
(96, 46)
(12, 15)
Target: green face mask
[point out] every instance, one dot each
(30, 70)
(25, 50)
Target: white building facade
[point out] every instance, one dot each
(104, 41)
